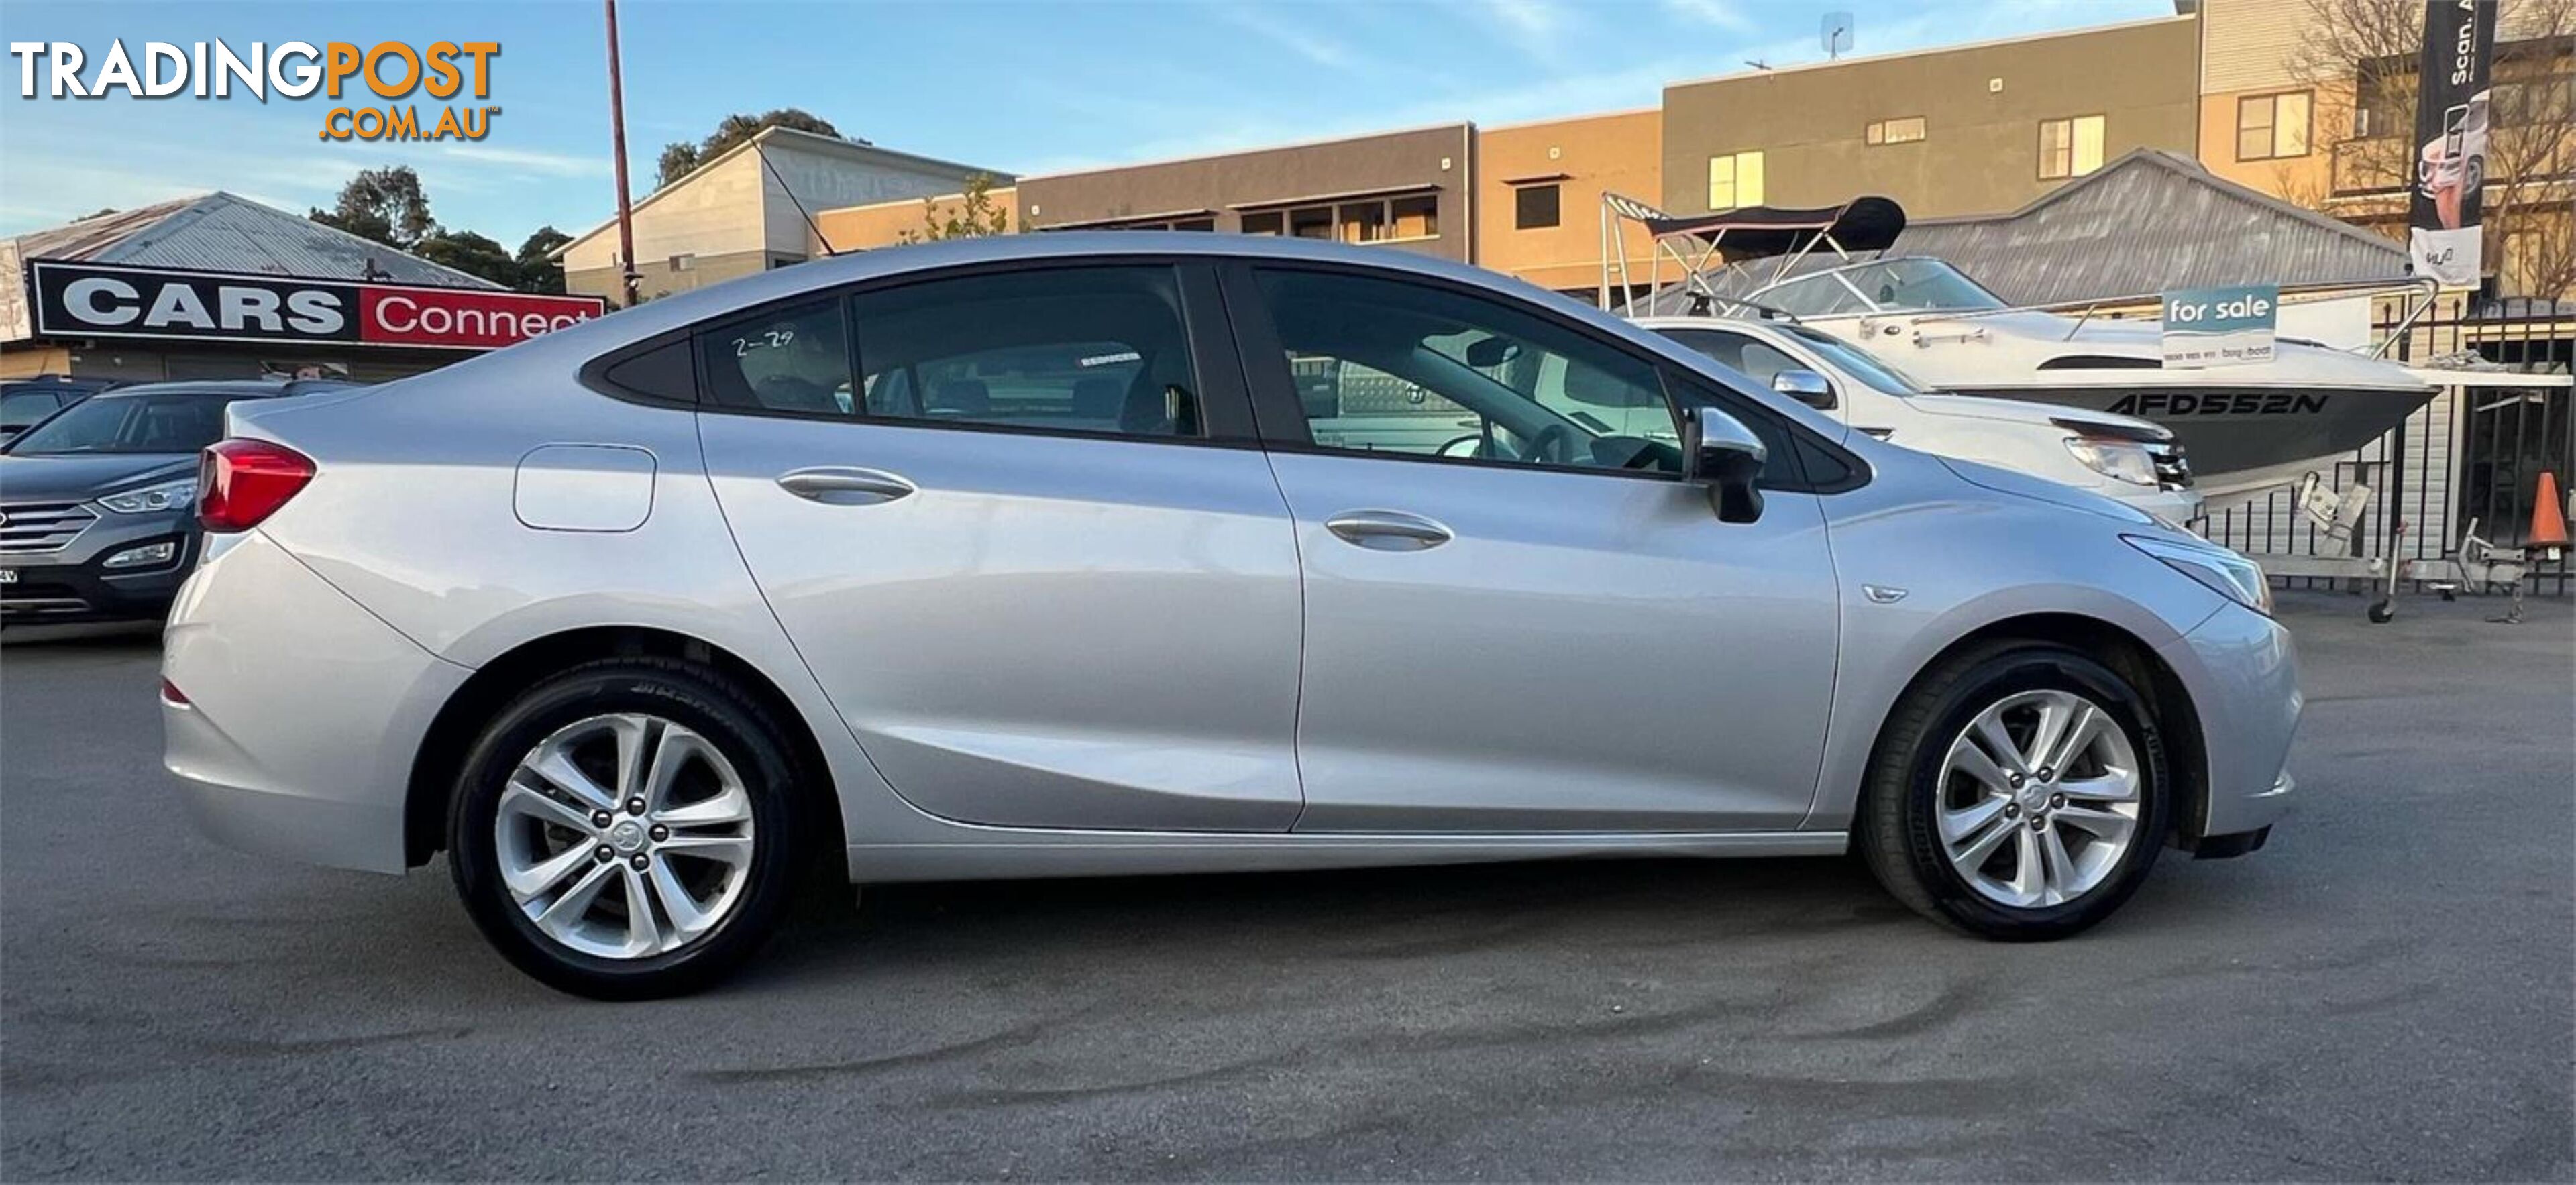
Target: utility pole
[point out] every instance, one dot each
(617, 125)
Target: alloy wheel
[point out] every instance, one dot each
(2039, 799)
(624, 836)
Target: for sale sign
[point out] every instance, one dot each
(113, 300)
(2220, 326)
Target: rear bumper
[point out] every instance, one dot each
(302, 711)
(2243, 676)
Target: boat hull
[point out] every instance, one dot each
(2250, 438)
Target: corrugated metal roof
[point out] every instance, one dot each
(2146, 223)
(221, 232)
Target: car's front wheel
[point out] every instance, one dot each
(627, 829)
(2019, 791)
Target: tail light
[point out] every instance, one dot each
(241, 482)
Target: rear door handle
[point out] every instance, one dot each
(836, 485)
(1388, 530)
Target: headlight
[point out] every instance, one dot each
(2226, 573)
(169, 495)
(2119, 460)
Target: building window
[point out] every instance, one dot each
(684, 263)
(1535, 207)
(1734, 180)
(1367, 220)
(2272, 127)
(1896, 131)
(2069, 147)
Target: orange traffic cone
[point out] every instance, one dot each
(2548, 519)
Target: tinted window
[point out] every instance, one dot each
(1089, 349)
(794, 359)
(1534, 207)
(1756, 359)
(666, 372)
(130, 424)
(27, 407)
(1385, 366)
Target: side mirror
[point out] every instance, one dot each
(1723, 454)
(1492, 351)
(1805, 386)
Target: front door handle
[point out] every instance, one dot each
(836, 485)
(1388, 530)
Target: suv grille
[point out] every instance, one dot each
(42, 526)
(2173, 471)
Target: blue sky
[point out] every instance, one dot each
(1022, 87)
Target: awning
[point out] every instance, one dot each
(1753, 232)
(1345, 196)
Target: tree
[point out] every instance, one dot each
(385, 205)
(971, 214)
(2359, 57)
(473, 254)
(680, 157)
(537, 273)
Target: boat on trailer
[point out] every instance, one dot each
(2245, 429)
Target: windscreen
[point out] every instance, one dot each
(174, 423)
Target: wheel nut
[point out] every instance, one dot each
(2039, 822)
(2046, 773)
(638, 861)
(660, 833)
(605, 853)
(635, 806)
(2016, 779)
(600, 818)
(2056, 800)
(2012, 810)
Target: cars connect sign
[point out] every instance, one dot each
(107, 300)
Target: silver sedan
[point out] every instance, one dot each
(1066, 555)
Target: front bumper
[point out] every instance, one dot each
(73, 583)
(2243, 676)
(2179, 507)
(299, 711)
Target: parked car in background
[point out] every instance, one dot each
(23, 402)
(2135, 461)
(98, 502)
(1047, 555)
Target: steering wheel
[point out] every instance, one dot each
(1474, 440)
(1553, 444)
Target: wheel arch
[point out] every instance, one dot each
(2177, 717)
(434, 767)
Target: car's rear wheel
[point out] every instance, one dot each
(2020, 791)
(627, 829)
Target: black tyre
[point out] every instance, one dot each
(630, 828)
(2019, 791)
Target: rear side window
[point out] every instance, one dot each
(794, 359)
(1082, 349)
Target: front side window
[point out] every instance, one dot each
(1757, 360)
(129, 424)
(792, 360)
(2272, 127)
(1080, 349)
(1734, 179)
(1389, 367)
(2069, 147)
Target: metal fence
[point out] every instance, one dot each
(2473, 456)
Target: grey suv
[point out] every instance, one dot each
(97, 502)
(1086, 554)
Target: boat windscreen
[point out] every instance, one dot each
(1913, 284)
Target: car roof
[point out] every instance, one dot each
(229, 388)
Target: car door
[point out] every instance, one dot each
(1540, 627)
(1016, 523)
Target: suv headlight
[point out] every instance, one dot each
(2119, 460)
(169, 495)
(2226, 573)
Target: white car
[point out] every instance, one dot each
(2121, 457)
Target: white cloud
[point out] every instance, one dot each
(1287, 35)
(1723, 14)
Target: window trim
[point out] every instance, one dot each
(1555, 187)
(1275, 401)
(1735, 178)
(1875, 133)
(1225, 407)
(2272, 130)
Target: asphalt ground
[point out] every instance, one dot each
(2384, 992)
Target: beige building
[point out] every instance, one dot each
(1539, 187)
(886, 224)
(1966, 129)
(738, 214)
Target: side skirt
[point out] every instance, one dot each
(995, 853)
